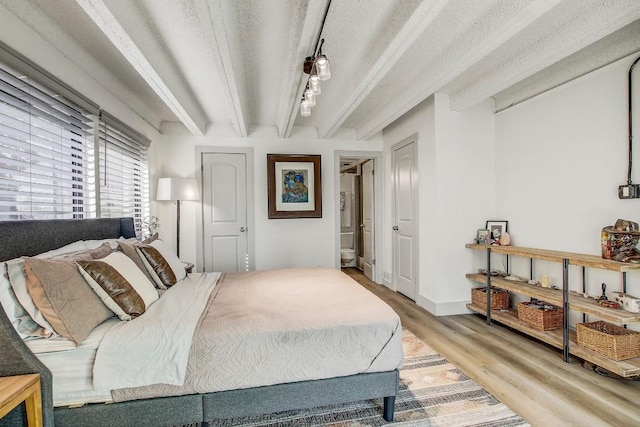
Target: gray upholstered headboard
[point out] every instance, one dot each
(27, 238)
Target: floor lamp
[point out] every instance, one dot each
(177, 189)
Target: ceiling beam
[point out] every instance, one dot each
(430, 82)
(211, 17)
(417, 23)
(588, 29)
(182, 106)
(294, 81)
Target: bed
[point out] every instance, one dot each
(235, 305)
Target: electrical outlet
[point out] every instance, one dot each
(629, 191)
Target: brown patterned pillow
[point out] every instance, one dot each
(159, 265)
(130, 250)
(64, 298)
(120, 285)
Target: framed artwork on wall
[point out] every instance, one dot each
(496, 228)
(294, 186)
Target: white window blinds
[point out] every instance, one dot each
(46, 151)
(60, 156)
(123, 176)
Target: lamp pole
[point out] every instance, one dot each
(178, 228)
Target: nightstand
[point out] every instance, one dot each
(22, 388)
(188, 267)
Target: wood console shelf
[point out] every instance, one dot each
(564, 338)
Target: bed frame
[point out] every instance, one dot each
(26, 238)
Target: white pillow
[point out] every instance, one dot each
(92, 244)
(139, 283)
(19, 318)
(71, 248)
(18, 280)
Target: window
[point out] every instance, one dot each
(46, 153)
(60, 156)
(123, 184)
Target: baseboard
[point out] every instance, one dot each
(386, 280)
(443, 308)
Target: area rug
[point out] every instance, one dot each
(432, 392)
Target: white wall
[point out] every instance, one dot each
(279, 243)
(560, 158)
(456, 194)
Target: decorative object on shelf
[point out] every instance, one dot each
(627, 302)
(178, 189)
(544, 282)
(513, 278)
(294, 186)
(619, 242)
(499, 298)
(151, 225)
(493, 272)
(540, 315)
(609, 304)
(603, 297)
(483, 237)
(496, 228)
(505, 239)
(606, 339)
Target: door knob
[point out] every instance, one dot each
(242, 229)
(395, 228)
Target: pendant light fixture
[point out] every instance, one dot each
(305, 109)
(317, 66)
(310, 97)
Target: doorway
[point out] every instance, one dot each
(357, 214)
(405, 217)
(226, 228)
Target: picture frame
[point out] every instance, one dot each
(483, 237)
(294, 186)
(496, 228)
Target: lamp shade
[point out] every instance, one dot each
(322, 67)
(177, 189)
(305, 109)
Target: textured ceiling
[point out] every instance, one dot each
(238, 64)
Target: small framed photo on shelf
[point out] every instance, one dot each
(496, 228)
(483, 237)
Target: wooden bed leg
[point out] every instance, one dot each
(389, 407)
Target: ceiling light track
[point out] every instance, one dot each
(318, 67)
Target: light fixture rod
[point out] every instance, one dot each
(324, 18)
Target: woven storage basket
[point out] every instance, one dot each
(612, 341)
(499, 298)
(530, 314)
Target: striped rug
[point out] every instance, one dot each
(433, 392)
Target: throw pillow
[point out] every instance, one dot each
(64, 298)
(120, 285)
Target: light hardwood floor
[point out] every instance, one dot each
(528, 376)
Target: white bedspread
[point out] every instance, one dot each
(154, 348)
(280, 326)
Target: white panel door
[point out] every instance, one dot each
(224, 205)
(368, 203)
(405, 201)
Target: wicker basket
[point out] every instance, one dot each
(499, 298)
(612, 341)
(544, 319)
